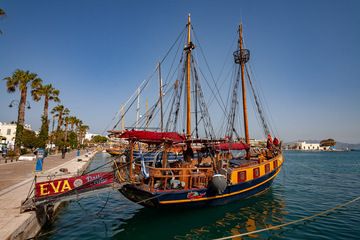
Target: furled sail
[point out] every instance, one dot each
(152, 137)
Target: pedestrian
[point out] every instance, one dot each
(4, 152)
(63, 152)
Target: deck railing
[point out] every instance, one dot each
(187, 177)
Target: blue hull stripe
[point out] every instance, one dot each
(180, 198)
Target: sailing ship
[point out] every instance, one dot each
(166, 168)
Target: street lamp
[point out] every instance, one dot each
(16, 102)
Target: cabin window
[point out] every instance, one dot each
(267, 168)
(256, 172)
(241, 176)
(275, 164)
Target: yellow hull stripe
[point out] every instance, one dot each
(223, 195)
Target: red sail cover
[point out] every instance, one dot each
(152, 137)
(80, 184)
(232, 146)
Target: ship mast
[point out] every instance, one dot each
(188, 49)
(244, 57)
(138, 109)
(161, 102)
(122, 118)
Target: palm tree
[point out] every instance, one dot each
(2, 13)
(73, 121)
(50, 94)
(20, 80)
(61, 111)
(67, 121)
(54, 115)
(82, 131)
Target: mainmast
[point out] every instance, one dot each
(244, 57)
(188, 48)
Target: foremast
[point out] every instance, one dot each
(188, 48)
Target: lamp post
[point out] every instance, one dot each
(16, 103)
(19, 130)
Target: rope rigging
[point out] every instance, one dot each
(258, 106)
(145, 82)
(208, 127)
(233, 109)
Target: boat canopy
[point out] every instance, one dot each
(152, 137)
(232, 146)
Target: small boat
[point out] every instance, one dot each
(114, 151)
(172, 169)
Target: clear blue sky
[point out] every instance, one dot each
(306, 55)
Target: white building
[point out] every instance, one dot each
(89, 136)
(310, 146)
(8, 131)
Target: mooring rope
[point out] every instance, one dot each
(292, 222)
(82, 220)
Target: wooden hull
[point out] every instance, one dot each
(198, 197)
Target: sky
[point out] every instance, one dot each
(304, 54)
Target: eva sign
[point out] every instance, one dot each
(78, 184)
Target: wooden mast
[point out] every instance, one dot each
(161, 103)
(242, 64)
(147, 114)
(188, 49)
(131, 161)
(122, 118)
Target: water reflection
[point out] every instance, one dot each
(301, 190)
(248, 215)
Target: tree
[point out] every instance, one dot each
(73, 121)
(67, 121)
(29, 139)
(99, 139)
(50, 94)
(82, 131)
(59, 139)
(20, 80)
(61, 111)
(327, 143)
(2, 13)
(72, 140)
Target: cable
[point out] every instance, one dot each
(292, 222)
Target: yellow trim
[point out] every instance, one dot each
(261, 166)
(223, 195)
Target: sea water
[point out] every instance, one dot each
(309, 183)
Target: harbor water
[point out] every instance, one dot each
(309, 183)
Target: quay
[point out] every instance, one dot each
(16, 180)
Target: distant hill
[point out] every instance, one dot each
(339, 145)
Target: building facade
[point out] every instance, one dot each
(310, 146)
(8, 131)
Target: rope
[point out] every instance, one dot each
(293, 222)
(142, 86)
(87, 219)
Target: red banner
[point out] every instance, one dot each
(78, 184)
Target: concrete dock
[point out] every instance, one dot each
(15, 183)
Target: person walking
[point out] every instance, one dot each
(4, 153)
(63, 152)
